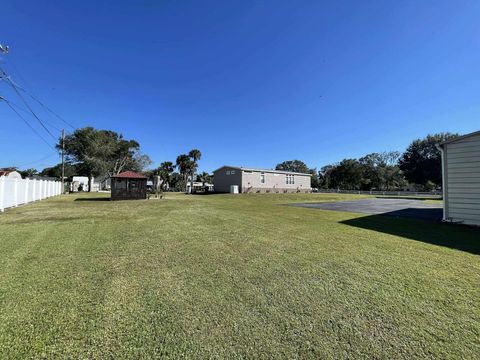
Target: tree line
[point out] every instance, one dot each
(92, 153)
(419, 167)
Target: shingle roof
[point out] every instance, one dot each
(130, 175)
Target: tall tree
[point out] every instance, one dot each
(56, 171)
(421, 162)
(204, 177)
(348, 174)
(293, 166)
(100, 152)
(184, 164)
(325, 177)
(194, 155)
(28, 172)
(84, 148)
(177, 182)
(165, 171)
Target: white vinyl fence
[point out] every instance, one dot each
(14, 192)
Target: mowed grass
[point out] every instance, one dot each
(225, 276)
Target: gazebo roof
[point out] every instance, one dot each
(129, 175)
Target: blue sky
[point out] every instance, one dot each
(248, 83)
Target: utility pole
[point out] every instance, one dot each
(63, 161)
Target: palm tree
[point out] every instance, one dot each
(194, 156)
(184, 165)
(165, 172)
(204, 177)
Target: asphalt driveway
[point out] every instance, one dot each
(390, 207)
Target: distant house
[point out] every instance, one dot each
(11, 174)
(79, 183)
(129, 185)
(103, 182)
(199, 186)
(461, 179)
(259, 180)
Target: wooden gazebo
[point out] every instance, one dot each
(129, 185)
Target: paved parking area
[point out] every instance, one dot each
(390, 207)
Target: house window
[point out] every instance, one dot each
(228, 172)
(232, 172)
(262, 178)
(290, 179)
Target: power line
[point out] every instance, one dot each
(26, 104)
(26, 111)
(43, 105)
(35, 98)
(36, 161)
(28, 124)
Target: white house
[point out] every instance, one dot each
(79, 183)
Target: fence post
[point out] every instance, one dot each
(15, 193)
(26, 191)
(2, 193)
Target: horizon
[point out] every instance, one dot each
(247, 84)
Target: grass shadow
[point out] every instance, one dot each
(92, 199)
(434, 214)
(453, 236)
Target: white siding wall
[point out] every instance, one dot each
(275, 181)
(462, 172)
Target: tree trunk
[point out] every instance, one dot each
(191, 183)
(90, 183)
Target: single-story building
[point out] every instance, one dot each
(199, 186)
(461, 179)
(129, 185)
(250, 180)
(79, 183)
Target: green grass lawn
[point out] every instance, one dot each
(225, 276)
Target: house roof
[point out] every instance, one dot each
(458, 138)
(8, 172)
(129, 175)
(262, 170)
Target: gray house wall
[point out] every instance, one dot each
(250, 180)
(461, 180)
(222, 181)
